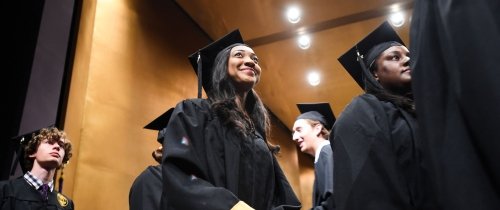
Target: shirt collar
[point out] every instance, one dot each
(321, 145)
(36, 182)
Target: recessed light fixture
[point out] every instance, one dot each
(304, 41)
(293, 14)
(313, 78)
(397, 19)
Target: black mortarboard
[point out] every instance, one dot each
(321, 112)
(206, 57)
(160, 123)
(369, 48)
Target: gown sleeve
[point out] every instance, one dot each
(184, 165)
(455, 82)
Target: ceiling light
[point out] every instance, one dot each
(313, 78)
(304, 41)
(293, 14)
(397, 19)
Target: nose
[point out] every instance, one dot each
(295, 137)
(406, 62)
(56, 147)
(249, 61)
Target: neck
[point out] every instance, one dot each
(45, 174)
(317, 145)
(404, 91)
(314, 147)
(241, 99)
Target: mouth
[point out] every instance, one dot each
(250, 71)
(55, 154)
(406, 70)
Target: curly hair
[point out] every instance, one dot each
(253, 116)
(51, 134)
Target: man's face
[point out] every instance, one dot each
(304, 134)
(49, 154)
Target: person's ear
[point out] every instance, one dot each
(34, 153)
(317, 129)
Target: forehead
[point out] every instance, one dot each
(401, 48)
(242, 48)
(300, 123)
(59, 140)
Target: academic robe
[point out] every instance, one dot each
(456, 85)
(376, 157)
(207, 165)
(145, 192)
(323, 179)
(18, 194)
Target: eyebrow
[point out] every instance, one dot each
(245, 51)
(394, 51)
(398, 52)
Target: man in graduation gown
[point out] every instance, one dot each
(145, 192)
(456, 86)
(310, 133)
(44, 153)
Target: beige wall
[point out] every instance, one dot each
(130, 66)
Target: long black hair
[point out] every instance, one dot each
(252, 117)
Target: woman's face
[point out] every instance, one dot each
(243, 67)
(393, 68)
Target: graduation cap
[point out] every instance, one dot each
(203, 60)
(359, 58)
(321, 112)
(159, 123)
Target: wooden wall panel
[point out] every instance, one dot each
(130, 66)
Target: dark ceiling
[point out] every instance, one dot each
(333, 25)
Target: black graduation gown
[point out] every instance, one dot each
(206, 165)
(456, 85)
(376, 156)
(323, 179)
(145, 192)
(18, 194)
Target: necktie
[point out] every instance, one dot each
(44, 189)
